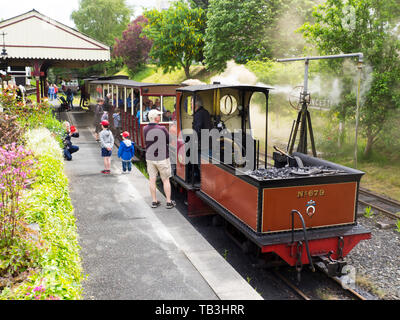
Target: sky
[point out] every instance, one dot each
(60, 10)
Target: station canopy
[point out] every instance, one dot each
(35, 38)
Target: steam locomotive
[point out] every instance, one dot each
(300, 210)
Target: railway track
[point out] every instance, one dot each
(386, 206)
(348, 292)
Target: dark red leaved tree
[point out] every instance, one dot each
(132, 48)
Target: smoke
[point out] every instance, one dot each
(282, 89)
(235, 74)
(366, 81)
(336, 91)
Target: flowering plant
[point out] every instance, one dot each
(16, 164)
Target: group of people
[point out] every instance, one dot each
(156, 139)
(19, 91)
(52, 91)
(105, 111)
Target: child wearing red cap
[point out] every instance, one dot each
(126, 152)
(107, 143)
(69, 148)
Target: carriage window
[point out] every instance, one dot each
(228, 104)
(168, 109)
(150, 102)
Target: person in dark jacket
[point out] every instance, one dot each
(70, 98)
(201, 117)
(126, 152)
(98, 112)
(201, 121)
(69, 148)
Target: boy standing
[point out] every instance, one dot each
(107, 143)
(126, 152)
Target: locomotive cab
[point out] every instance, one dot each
(230, 142)
(300, 209)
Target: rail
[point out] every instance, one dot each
(393, 203)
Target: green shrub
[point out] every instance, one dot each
(55, 271)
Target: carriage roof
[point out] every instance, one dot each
(130, 83)
(206, 87)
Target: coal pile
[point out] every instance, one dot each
(292, 172)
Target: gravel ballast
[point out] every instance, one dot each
(378, 260)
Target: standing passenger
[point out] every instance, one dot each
(70, 98)
(126, 152)
(157, 157)
(117, 122)
(55, 91)
(98, 112)
(107, 143)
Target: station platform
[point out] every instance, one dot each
(131, 251)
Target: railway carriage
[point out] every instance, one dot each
(301, 209)
(134, 99)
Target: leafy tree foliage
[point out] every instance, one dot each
(253, 30)
(133, 48)
(177, 34)
(233, 31)
(367, 26)
(103, 20)
(199, 4)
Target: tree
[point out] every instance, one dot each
(234, 31)
(199, 4)
(133, 48)
(103, 20)
(177, 34)
(252, 29)
(366, 26)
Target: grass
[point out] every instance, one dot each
(381, 179)
(368, 212)
(398, 225)
(141, 166)
(381, 176)
(365, 283)
(151, 73)
(326, 294)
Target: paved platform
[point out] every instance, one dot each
(131, 251)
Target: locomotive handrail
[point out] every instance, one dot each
(305, 236)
